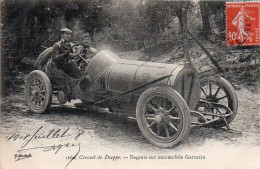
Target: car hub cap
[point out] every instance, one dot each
(37, 93)
(162, 118)
(62, 97)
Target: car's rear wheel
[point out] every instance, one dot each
(163, 116)
(219, 90)
(38, 91)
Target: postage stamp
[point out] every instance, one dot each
(243, 23)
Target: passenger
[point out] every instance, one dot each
(61, 51)
(88, 50)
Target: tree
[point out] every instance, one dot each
(205, 17)
(185, 8)
(168, 10)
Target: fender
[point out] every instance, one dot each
(43, 57)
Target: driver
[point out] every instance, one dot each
(61, 51)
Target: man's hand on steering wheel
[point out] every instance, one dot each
(71, 53)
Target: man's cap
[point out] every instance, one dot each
(85, 35)
(66, 30)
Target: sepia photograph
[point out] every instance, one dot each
(103, 84)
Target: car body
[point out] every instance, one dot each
(164, 98)
(112, 76)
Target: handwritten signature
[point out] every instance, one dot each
(18, 157)
(27, 138)
(56, 148)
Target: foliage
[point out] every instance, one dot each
(124, 24)
(121, 25)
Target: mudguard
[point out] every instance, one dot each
(43, 58)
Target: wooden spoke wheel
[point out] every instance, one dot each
(38, 91)
(219, 90)
(163, 116)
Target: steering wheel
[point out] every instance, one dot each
(73, 54)
(77, 55)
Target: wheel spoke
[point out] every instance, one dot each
(33, 82)
(150, 118)
(218, 111)
(212, 110)
(166, 131)
(42, 88)
(31, 97)
(173, 118)
(158, 130)
(203, 91)
(152, 107)
(168, 111)
(221, 97)
(210, 89)
(158, 103)
(172, 126)
(42, 95)
(32, 87)
(164, 102)
(216, 92)
(40, 102)
(149, 115)
(33, 100)
(150, 125)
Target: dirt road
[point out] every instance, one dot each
(125, 132)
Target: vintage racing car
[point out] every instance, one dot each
(165, 99)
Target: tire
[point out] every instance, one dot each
(176, 122)
(231, 100)
(38, 91)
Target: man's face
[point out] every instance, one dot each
(86, 40)
(66, 36)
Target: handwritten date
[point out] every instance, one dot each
(37, 135)
(40, 134)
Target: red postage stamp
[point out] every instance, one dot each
(243, 23)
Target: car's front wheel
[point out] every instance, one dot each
(38, 91)
(163, 116)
